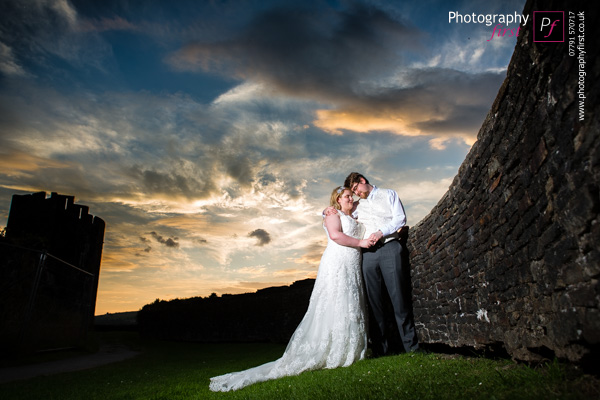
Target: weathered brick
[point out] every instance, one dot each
(516, 236)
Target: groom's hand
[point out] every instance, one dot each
(329, 211)
(376, 236)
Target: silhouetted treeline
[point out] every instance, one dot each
(120, 321)
(269, 315)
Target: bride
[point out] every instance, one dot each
(332, 333)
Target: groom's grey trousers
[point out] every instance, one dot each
(385, 264)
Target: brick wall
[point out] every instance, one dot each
(509, 256)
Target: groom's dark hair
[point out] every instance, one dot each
(353, 178)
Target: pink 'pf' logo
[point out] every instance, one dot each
(549, 26)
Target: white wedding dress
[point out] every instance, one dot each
(333, 331)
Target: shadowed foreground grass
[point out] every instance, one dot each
(167, 370)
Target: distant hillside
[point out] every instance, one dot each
(269, 315)
(128, 318)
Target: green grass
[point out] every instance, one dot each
(167, 370)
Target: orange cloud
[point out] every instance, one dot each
(17, 163)
(312, 255)
(333, 121)
(366, 121)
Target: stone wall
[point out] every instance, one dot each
(509, 256)
(50, 261)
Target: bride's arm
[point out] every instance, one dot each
(334, 227)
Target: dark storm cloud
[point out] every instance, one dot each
(460, 119)
(237, 166)
(261, 235)
(199, 183)
(169, 242)
(442, 87)
(305, 52)
(444, 101)
(342, 58)
(158, 182)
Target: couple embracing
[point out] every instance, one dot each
(333, 332)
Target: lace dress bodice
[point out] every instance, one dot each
(350, 227)
(332, 333)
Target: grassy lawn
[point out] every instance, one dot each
(167, 370)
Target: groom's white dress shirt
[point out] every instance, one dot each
(381, 211)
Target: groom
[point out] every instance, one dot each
(382, 214)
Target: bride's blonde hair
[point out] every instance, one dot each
(335, 195)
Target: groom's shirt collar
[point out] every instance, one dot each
(372, 193)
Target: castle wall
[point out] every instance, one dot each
(49, 267)
(509, 256)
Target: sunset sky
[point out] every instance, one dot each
(209, 134)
